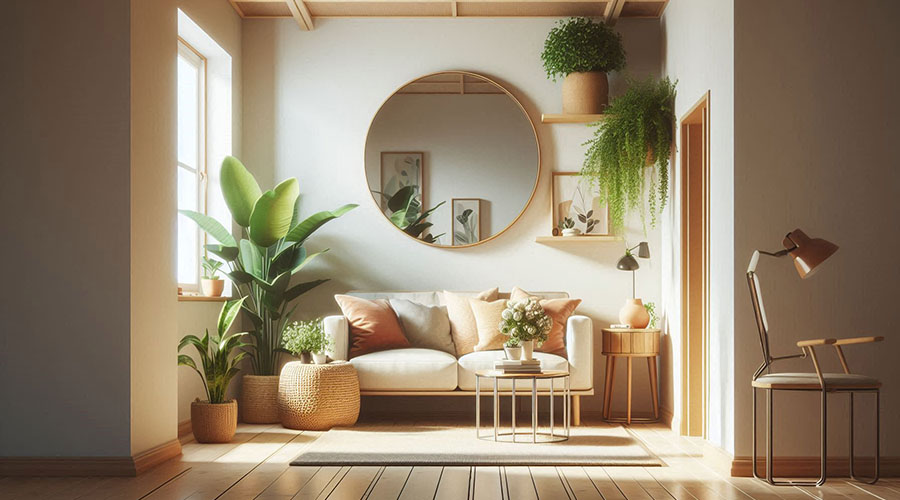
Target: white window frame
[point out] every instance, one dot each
(198, 60)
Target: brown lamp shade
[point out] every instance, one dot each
(808, 253)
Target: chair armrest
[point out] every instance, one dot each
(580, 351)
(858, 340)
(337, 328)
(815, 342)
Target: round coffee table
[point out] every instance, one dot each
(496, 375)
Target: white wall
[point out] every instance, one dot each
(309, 98)
(474, 145)
(698, 46)
(817, 116)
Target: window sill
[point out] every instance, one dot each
(201, 298)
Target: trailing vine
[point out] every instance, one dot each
(636, 134)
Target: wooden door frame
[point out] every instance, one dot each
(695, 159)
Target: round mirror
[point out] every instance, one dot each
(452, 159)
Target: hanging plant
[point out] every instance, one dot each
(636, 135)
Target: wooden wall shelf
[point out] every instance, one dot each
(570, 118)
(576, 240)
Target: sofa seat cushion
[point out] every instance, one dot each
(410, 369)
(484, 360)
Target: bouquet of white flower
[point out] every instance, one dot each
(525, 320)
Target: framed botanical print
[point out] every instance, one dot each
(401, 169)
(466, 220)
(576, 206)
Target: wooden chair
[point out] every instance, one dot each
(825, 383)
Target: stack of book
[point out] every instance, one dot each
(518, 366)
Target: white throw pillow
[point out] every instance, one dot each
(427, 327)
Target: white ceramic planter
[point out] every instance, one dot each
(527, 350)
(320, 358)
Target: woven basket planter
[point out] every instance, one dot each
(214, 423)
(259, 399)
(318, 397)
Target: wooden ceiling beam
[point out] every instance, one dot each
(613, 10)
(301, 14)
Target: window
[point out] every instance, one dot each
(191, 166)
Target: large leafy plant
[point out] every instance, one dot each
(579, 45)
(636, 135)
(262, 264)
(407, 214)
(215, 353)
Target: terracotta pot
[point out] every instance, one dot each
(527, 350)
(214, 423)
(259, 399)
(585, 93)
(634, 313)
(212, 288)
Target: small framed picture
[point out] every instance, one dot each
(575, 206)
(400, 169)
(466, 223)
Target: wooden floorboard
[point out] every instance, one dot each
(257, 465)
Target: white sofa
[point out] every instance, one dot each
(427, 372)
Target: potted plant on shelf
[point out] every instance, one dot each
(215, 419)
(635, 136)
(210, 283)
(567, 226)
(526, 321)
(582, 52)
(261, 266)
(513, 348)
(305, 338)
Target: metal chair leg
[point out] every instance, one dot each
(874, 479)
(770, 432)
(755, 470)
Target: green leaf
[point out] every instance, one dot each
(298, 290)
(239, 189)
(306, 261)
(185, 360)
(303, 230)
(239, 277)
(229, 311)
(212, 227)
(401, 198)
(227, 253)
(251, 259)
(271, 217)
(278, 285)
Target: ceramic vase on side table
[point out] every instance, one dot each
(634, 313)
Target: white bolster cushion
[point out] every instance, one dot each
(580, 350)
(337, 328)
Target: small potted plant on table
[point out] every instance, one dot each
(215, 420)
(210, 282)
(512, 348)
(305, 338)
(526, 321)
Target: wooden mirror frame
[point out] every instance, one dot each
(537, 143)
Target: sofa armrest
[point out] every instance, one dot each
(338, 330)
(580, 350)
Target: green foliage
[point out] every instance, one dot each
(513, 342)
(525, 320)
(578, 45)
(306, 336)
(407, 214)
(263, 263)
(636, 134)
(651, 310)
(567, 223)
(210, 267)
(215, 353)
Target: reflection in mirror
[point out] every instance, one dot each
(452, 159)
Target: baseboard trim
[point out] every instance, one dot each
(185, 431)
(809, 466)
(90, 466)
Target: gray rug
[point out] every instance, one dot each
(452, 445)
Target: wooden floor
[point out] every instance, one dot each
(255, 465)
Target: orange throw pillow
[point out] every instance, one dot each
(373, 325)
(463, 328)
(559, 310)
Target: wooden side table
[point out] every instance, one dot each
(630, 344)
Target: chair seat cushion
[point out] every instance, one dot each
(410, 369)
(484, 360)
(809, 381)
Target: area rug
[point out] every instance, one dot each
(369, 444)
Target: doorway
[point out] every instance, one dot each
(694, 150)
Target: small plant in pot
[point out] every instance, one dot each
(215, 419)
(526, 321)
(513, 348)
(307, 338)
(210, 282)
(582, 52)
(567, 227)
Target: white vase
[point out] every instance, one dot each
(513, 352)
(320, 358)
(569, 232)
(527, 350)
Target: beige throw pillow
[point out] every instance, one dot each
(463, 329)
(487, 317)
(424, 326)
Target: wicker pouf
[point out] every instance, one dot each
(259, 399)
(318, 397)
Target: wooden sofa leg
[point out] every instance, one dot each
(576, 410)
